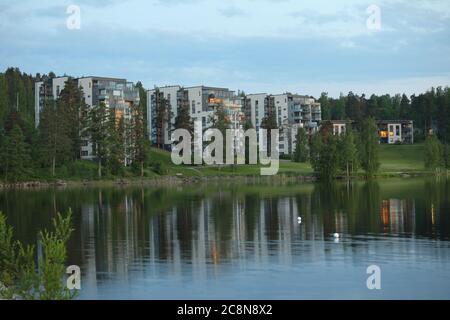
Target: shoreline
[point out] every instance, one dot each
(168, 181)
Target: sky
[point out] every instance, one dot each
(271, 46)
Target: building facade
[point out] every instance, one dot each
(163, 104)
(389, 131)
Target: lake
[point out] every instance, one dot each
(245, 241)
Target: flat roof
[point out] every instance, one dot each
(209, 88)
(394, 121)
(103, 78)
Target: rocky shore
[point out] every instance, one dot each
(163, 181)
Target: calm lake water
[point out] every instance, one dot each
(236, 241)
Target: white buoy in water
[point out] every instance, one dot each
(336, 235)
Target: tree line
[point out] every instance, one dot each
(430, 111)
(331, 155)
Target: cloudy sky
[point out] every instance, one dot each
(269, 46)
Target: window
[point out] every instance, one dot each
(193, 106)
(391, 128)
(84, 143)
(397, 130)
(84, 153)
(57, 91)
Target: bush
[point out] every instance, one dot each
(19, 277)
(160, 168)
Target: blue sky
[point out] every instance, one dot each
(269, 46)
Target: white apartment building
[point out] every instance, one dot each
(201, 102)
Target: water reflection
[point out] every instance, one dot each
(179, 239)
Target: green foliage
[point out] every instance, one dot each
(325, 156)
(349, 161)
(14, 155)
(98, 131)
(55, 144)
(369, 147)
(301, 152)
(434, 153)
(19, 277)
(139, 141)
(159, 167)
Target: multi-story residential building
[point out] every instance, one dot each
(389, 131)
(202, 101)
(47, 89)
(115, 93)
(291, 112)
(167, 99)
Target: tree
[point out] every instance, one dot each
(140, 142)
(325, 156)
(19, 277)
(221, 121)
(55, 144)
(315, 148)
(74, 114)
(348, 153)
(183, 119)
(301, 152)
(247, 125)
(433, 153)
(369, 147)
(98, 131)
(325, 106)
(269, 123)
(163, 116)
(404, 112)
(116, 143)
(14, 155)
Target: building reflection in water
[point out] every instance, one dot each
(161, 233)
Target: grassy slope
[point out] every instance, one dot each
(393, 158)
(402, 158)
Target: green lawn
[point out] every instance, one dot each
(393, 158)
(402, 158)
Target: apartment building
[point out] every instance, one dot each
(47, 89)
(291, 112)
(115, 93)
(389, 131)
(201, 102)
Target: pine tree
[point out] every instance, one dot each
(54, 142)
(301, 153)
(74, 115)
(140, 142)
(98, 131)
(183, 120)
(15, 156)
